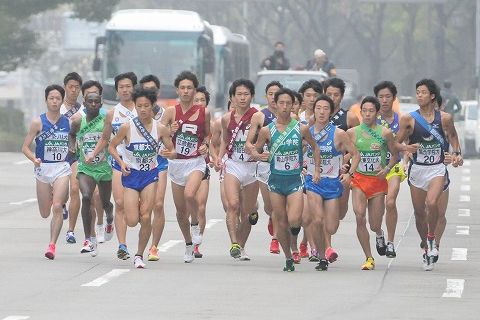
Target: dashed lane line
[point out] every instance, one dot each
(100, 281)
(463, 230)
(459, 254)
(454, 288)
(464, 212)
(19, 203)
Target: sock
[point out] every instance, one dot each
(188, 243)
(295, 230)
(194, 224)
(430, 236)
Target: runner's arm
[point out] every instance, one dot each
(316, 151)
(452, 137)
(263, 138)
(35, 127)
(255, 125)
(347, 146)
(352, 120)
(117, 139)
(204, 147)
(169, 151)
(215, 141)
(72, 135)
(105, 138)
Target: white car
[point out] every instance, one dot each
(468, 128)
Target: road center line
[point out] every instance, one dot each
(464, 212)
(169, 244)
(100, 281)
(212, 222)
(465, 178)
(454, 288)
(16, 318)
(463, 230)
(465, 187)
(464, 198)
(18, 203)
(28, 161)
(459, 254)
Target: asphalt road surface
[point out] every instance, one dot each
(78, 286)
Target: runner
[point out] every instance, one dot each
(298, 102)
(284, 136)
(386, 93)
(191, 126)
(259, 120)
(123, 112)
(240, 184)
(325, 195)
(430, 129)
(139, 164)
(85, 132)
(50, 132)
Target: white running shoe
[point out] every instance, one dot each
(243, 255)
(108, 232)
(138, 262)
(100, 231)
(87, 246)
(432, 250)
(94, 247)
(189, 256)
(427, 262)
(196, 236)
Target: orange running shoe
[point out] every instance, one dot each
(331, 255)
(296, 257)
(303, 250)
(274, 246)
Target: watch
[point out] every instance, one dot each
(456, 153)
(351, 173)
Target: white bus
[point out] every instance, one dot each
(159, 42)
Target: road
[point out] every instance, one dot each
(76, 286)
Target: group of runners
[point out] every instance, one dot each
(302, 152)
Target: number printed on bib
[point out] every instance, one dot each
(429, 153)
(186, 145)
(89, 142)
(238, 153)
(56, 147)
(286, 162)
(370, 162)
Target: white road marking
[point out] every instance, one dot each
(464, 212)
(466, 171)
(459, 254)
(463, 230)
(464, 198)
(467, 163)
(18, 203)
(100, 281)
(454, 288)
(465, 187)
(465, 178)
(212, 222)
(28, 161)
(169, 244)
(16, 318)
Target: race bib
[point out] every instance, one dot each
(56, 147)
(186, 144)
(89, 142)
(286, 162)
(238, 151)
(370, 161)
(145, 157)
(429, 153)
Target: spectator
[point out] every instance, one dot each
(451, 102)
(320, 62)
(277, 61)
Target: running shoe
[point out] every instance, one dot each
(380, 244)
(270, 226)
(71, 237)
(243, 255)
(435, 258)
(432, 249)
(390, 252)
(65, 212)
(87, 246)
(253, 218)
(331, 255)
(196, 251)
(153, 254)
(314, 256)
(189, 256)
(109, 232)
(122, 252)
(303, 250)
(235, 251)
(100, 232)
(296, 257)
(289, 265)
(138, 262)
(427, 262)
(94, 251)
(322, 265)
(274, 246)
(369, 264)
(50, 254)
(196, 235)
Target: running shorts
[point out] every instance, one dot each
(398, 171)
(180, 169)
(371, 186)
(162, 163)
(285, 184)
(49, 172)
(420, 176)
(243, 171)
(138, 180)
(327, 188)
(263, 172)
(101, 172)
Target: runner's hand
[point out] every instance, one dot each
(90, 158)
(345, 167)
(125, 168)
(383, 173)
(265, 156)
(203, 149)
(345, 178)
(316, 177)
(412, 148)
(174, 127)
(457, 160)
(168, 154)
(218, 164)
(37, 162)
(448, 158)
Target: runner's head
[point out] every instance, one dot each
(54, 95)
(93, 102)
(150, 82)
(427, 91)
(144, 101)
(323, 109)
(124, 83)
(310, 90)
(186, 84)
(335, 89)
(297, 103)
(243, 91)
(386, 92)
(72, 83)
(91, 86)
(369, 108)
(270, 90)
(202, 97)
(284, 99)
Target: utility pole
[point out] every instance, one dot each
(477, 51)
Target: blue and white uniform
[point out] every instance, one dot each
(121, 115)
(162, 162)
(263, 168)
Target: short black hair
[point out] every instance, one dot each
(127, 75)
(311, 84)
(372, 100)
(203, 90)
(324, 97)
(298, 96)
(283, 91)
(385, 85)
(53, 87)
(272, 84)
(186, 75)
(150, 77)
(431, 86)
(91, 83)
(242, 82)
(439, 100)
(150, 94)
(72, 76)
(336, 83)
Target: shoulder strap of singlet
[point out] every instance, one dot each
(425, 125)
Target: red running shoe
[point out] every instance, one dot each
(296, 257)
(270, 226)
(331, 255)
(274, 246)
(50, 254)
(303, 250)
(196, 252)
